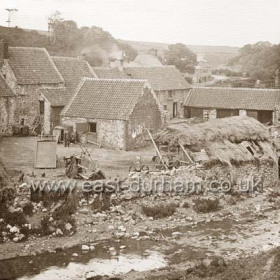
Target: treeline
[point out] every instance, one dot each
(65, 38)
(258, 61)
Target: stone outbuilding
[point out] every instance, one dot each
(26, 70)
(7, 108)
(213, 102)
(168, 83)
(114, 113)
(53, 100)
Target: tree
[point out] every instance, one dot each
(182, 57)
(66, 34)
(259, 61)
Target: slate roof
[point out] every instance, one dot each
(105, 99)
(233, 98)
(33, 66)
(5, 90)
(160, 78)
(109, 73)
(72, 70)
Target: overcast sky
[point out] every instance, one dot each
(204, 22)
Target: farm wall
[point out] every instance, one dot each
(146, 115)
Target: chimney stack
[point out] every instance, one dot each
(4, 51)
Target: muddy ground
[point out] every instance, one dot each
(244, 228)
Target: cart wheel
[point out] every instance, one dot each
(132, 168)
(145, 168)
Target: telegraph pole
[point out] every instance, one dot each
(10, 11)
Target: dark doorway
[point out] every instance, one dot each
(265, 117)
(174, 109)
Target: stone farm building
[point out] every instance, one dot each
(211, 103)
(231, 149)
(7, 107)
(52, 99)
(168, 83)
(26, 70)
(114, 113)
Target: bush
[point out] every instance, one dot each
(204, 205)
(160, 210)
(66, 209)
(7, 196)
(28, 209)
(14, 218)
(216, 266)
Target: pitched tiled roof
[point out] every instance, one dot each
(56, 96)
(233, 98)
(109, 73)
(160, 78)
(5, 90)
(72, 70)
(32, 66)
(105, 99)
(147, 60)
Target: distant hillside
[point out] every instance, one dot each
(217, 56)
(98, 46)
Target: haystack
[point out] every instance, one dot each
(230, 140)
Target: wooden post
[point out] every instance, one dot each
(157, 150)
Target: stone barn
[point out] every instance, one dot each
(26, 70)
(220, 102)
(169, 85)
(53, 99)
(7, 108)
(114, 113)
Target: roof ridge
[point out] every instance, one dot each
(114, 79)
(31, 48)
(67, 57)
(233, 88)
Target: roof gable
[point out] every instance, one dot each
(72, 70)
(233, 98)
(33, 66)
(5, 90)
(160, 78)
(112, 99)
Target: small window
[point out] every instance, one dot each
(165, 107)
(92, 127)
(170, 94)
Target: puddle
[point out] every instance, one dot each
(228, 238)
(119, 265)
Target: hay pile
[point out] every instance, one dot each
(222, 139)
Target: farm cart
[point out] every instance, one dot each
(169, 156)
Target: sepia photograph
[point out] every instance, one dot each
(139, 140)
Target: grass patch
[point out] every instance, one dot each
(205, 205)
(159, 210)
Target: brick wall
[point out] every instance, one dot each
(146, 114)
(7, 111)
